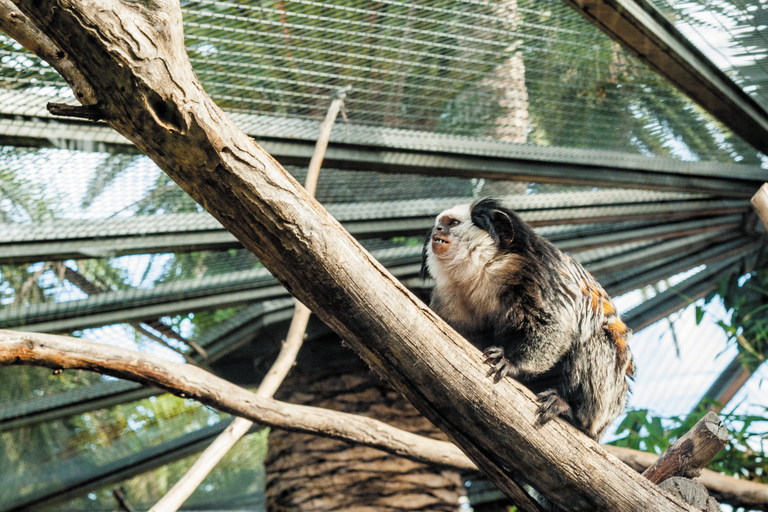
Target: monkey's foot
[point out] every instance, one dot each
(500, 365)
(552, 405)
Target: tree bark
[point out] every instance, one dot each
(133, 56)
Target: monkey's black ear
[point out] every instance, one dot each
(424, 273)
(496, 220)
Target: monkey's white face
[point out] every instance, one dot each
(458, 248)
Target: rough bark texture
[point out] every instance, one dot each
(310, 473)
(133, 55)
(690, 492)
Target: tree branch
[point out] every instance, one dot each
(16, 24)
(57, 352)
(726, 489)
(694, 450)
(188, 381)
(133, 55)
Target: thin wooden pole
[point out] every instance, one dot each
(211, 456)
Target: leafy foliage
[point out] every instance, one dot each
(746, 297)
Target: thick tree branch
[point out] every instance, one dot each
(51, 351)
(133, 55)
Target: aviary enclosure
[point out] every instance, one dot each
(152, 213)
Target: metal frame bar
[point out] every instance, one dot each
(616, 284)
(117, 307)
(678, 296)
(69, 403)
(291, 141)
(219, 341)
(59, 240)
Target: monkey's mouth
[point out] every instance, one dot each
(440, 244)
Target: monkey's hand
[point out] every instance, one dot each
(500, 365)
(552, 405)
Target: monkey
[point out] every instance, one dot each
(539, 316)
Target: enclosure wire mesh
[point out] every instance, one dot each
(732, 34)
(516, 70)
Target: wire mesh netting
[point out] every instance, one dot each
(732, 34)
(519, 71)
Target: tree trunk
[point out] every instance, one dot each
(308, 473)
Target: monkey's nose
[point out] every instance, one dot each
(439, 227)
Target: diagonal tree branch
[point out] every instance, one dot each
(184, 488)
(133, 55)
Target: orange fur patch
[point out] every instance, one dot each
(608, 308)
(595, 299)
(619, 328)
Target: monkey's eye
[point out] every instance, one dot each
(454, 222)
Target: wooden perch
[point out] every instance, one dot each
(57, 352)
(692, 452)
(685, 460)
(735, 492)
(149, 93)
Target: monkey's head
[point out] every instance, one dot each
(468, 236)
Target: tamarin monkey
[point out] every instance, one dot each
(540, 317)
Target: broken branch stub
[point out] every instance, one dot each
(692, 452)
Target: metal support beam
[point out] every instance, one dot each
(69, 403)
(291, 141)
(508, 169)
(219, 341)
(727, 384)
(167, 299)
(677, 297)
(640, 28)
(76, 239)
(619, 283)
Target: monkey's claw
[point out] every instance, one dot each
(552, 405)
(500, 365)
